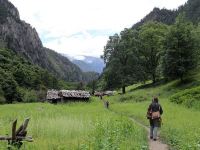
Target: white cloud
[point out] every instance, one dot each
(61, 19)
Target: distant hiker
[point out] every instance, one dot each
(154, 115)
(106, 104)
(101, 97)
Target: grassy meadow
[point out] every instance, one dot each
(73, 126)
(181, 125)
(89, 126)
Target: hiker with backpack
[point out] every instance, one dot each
(154, 115)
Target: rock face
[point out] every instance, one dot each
(20, 37)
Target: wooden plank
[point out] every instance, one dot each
(19, 130)
(14, 125)
(24, 126)
(2, 138)
(20, 138)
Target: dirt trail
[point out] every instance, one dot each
(153, 145)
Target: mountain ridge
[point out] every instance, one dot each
(23, 39)
(191, 9)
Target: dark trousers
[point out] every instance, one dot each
(154, 125)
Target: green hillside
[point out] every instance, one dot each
(21, 81)
(180, 128)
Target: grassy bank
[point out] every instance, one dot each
(73, 126)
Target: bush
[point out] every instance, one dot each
(2, 99)
(189, 98)
(28, 96)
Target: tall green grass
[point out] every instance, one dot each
(73, 126)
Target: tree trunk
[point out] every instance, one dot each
(123, 89)
(153, 78)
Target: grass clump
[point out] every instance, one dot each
(189, 98)
(113, 134)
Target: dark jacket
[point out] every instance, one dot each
(154, 107)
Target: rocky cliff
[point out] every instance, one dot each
(23, 39)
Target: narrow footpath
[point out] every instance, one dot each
(153, 145)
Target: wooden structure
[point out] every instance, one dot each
(108, 93)
(19, 135)
(98, 94)
(74, 95)
(53, 96)
(105, 93)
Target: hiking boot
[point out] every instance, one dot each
(154, 139)
(151, 137)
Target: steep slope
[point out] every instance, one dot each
(159, 15)
(192, 10)
(22, 81)
(24, 40)
(61, 66)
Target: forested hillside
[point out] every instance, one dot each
(22, 81)
(164, 45)
(191, 9)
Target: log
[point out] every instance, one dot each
(18, 138)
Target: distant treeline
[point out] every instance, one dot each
(151, 52)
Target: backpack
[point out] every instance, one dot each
(152, 115)
(156, 115)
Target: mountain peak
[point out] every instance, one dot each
(9, 9)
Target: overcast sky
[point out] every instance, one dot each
(82, 27)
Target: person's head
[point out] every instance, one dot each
(155, 99)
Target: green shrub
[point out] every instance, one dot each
(189, 97)
(28, 96)
(2, 99)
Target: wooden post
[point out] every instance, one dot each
(18, 136)
(14, 125)
(23, 131)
